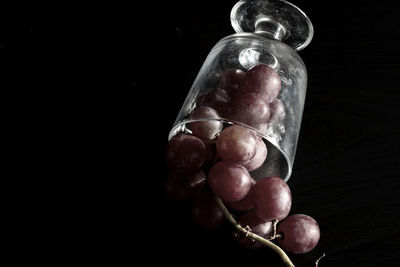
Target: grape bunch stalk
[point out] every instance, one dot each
(210, 164)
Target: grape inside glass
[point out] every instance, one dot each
(254, 79)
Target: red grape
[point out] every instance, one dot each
(300, 233)
(185, 153)
(206, 212)
(272, 198)
(230, 182)
(259, 157)
(277, 111)
(180, 188)
(263, 128)
(211, 158)
(250, 109)
(262, 80)
(216, 98)
(231, 79)
(196, 182)
(245, 203)
(237, 144)
(257, 226)
(175, 189)
(206, 130)
(211, 152)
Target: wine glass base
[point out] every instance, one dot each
(277, 19)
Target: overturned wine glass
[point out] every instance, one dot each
(254, 79)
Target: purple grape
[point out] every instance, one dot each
(216, 98)
(300, 233)
(180, 188)
(237, 144)
(277, 111)
(231, 79)
(272, 198)
(245, 203)
(206, 212)
(230, 182)
(263, 128)
(262, 80)
(211, 158)
(211, 152)
(196, 182)
(257, 226)
(185, 153)
(206, 130)
(259, 157)
(250, 109)
(175, 189)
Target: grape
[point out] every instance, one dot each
(230, 182)
(272, 198)
(231, 79)
(259, 157)
(262, 80)
(216, 98)
(175, 189)
(257, 226)
(263, 128)
(196, 182)
(250, 109)
(212, 156)
(237, 144)
(211, 152)
(206, 130)
(245, 203)
(300, 233)
(180, 188)
(277, 111)
(206, 212)
(185, 153)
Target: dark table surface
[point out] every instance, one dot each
(109, 81)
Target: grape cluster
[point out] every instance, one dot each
(246, 97)
(215, 159)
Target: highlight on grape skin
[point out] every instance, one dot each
(196, 182)
(300, 233)
(228, 181)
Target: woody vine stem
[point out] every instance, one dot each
(245, 230)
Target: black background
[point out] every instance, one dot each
(104, 84)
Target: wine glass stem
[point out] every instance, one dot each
(270, 28)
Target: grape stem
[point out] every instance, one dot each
(274, 235)
(253, 236)
(317, 261)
